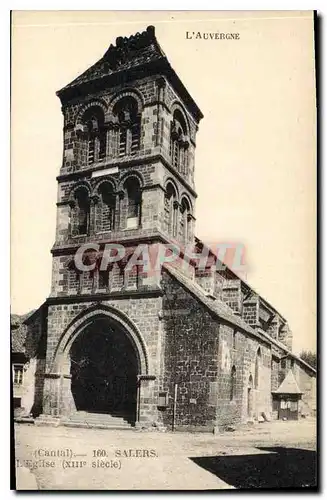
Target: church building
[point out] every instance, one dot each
(117, 346)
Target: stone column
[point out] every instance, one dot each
(190, 222)
(94, 200)
(51, 400)
(161, 97)
(176, 216)
(120, 212)
(147, 411)
(67, 401)
(112, 143)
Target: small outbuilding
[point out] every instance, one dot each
(286, 398)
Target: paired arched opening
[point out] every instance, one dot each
(128, 120)
(95, 141)
(178, 216)
(179, 143)
(120, 136)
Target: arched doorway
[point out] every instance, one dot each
(104, 368)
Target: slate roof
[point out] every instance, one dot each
(132, 57)
(129, 52)
(289, 385)
(18, 331)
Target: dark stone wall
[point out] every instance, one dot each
(212, 363)
(190, 358)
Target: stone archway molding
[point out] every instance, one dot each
(61, 361)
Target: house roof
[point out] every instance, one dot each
(18, 333)
(133, 57)
(289, 385)
(18, 330)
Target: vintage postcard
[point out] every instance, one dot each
(163, 179)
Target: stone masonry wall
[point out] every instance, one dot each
(200, 354)
(238, 350)
(230, 356)
(190, 359)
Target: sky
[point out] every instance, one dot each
(255, 166)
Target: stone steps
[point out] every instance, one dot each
(86, 425)
(97, 421)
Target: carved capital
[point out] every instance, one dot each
(81, 131)
(161, 83)
(95, 199)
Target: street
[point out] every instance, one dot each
(269, 455)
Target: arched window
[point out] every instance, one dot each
(171, 210)
(80, 212)
(233, 383)
(178, 143)
(106, 207)
(93, 121)
(129, 124)
(134, 198)
(185, 221)
(257, 369)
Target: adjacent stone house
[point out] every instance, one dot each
(115, 345)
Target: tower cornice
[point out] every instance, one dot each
(87, 172)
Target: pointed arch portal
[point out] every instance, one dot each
(101, 357)
(104, 369)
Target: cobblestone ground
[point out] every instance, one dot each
(274, 454)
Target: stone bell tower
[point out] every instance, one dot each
(127, 177)
(128, 161)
